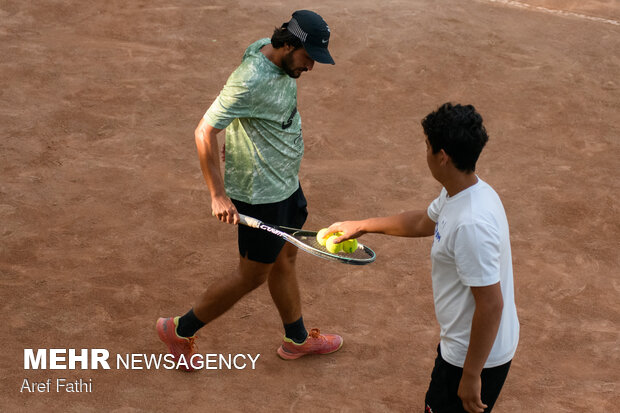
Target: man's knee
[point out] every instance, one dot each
(285, 262)
(253, 274)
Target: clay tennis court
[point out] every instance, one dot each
(106, 221)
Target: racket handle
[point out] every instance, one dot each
(249, 221)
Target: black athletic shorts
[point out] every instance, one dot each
(259, 245)
(442, 396)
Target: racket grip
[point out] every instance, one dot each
(249, 221)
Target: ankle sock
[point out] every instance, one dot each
(296, 331)
(189, 324)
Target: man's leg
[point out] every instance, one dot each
(283, 285)
(178, 332)
(285, 294)
(222, 294)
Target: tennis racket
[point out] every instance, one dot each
(306, 241)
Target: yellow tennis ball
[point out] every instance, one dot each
(320, 237)
(349, 245)
(331, 246)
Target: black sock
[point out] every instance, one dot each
(189, 324)
(296, 331)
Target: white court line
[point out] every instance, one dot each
(560, 12)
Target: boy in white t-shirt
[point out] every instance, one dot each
(471, 265)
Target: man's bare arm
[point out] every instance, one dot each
(208, 155)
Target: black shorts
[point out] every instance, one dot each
(259, 245)
(442, 395)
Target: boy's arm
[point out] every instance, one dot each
(406, 224)
(484, 327)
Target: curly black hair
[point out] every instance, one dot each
(282, 36)
(458, 130)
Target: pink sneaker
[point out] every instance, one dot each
(316, 343)
(177, 345)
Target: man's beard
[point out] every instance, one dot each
(287, 66)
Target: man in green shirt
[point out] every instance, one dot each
(262, 153)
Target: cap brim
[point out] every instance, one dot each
(319, 54)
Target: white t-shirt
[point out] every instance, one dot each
(471, 248)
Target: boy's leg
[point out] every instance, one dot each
(492, 382)
(442, 392)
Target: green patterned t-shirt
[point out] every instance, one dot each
(264, 143)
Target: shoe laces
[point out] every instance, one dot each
(316, 334)
(191, 341)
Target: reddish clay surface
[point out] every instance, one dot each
(106, 221)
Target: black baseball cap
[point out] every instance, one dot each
(313, 32)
